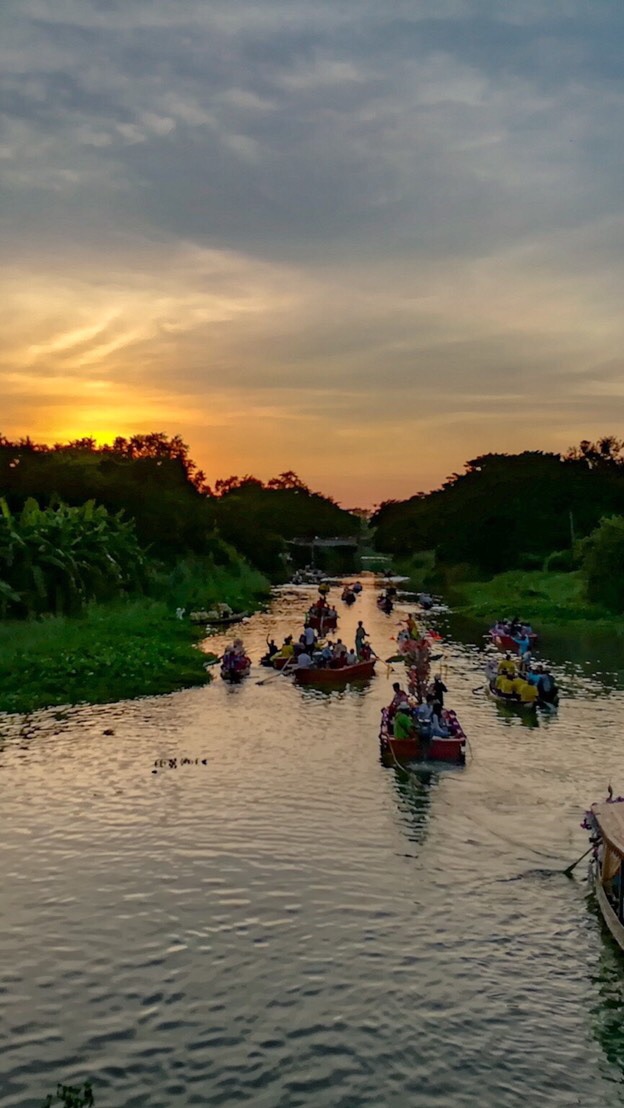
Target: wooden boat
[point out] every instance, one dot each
(507, 644)
(605, 821)
(494, 694)
(359, 671)
(235, 675)
(452, 749)
(216, 620)
(348, 596)
(385, 603)
(322, 619)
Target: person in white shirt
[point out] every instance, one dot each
(309, 636)
(350, 658)
(304, 660)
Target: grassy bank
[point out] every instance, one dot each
(112, 652)
(544, 598)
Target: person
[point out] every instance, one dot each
(504, 684)
(507, 666)
(525, 691)
(360, 635)
(546, 686)
(439, 730)
(304, 660)
(523, 643)
(309, 636)
(438, 689)
(339, 650)
(287, 649)
(358, 586)
(271, 648)
(403, 727)
(180, 613)
(350, 658)
(366, 652)
(412, 626)
(400, 697)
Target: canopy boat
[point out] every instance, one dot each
(451, 749)
(605, 821)
(335, 675)
(322, 619)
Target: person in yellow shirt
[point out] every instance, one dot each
(526, 691)
(507, 666)
(504, 684)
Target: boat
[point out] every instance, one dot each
(335, 675)
(451, 749)
(605, 822)
(235, 675)
(216, 617)
(507, 643)
(385, 603)
(358, 586)
(348, 596)
(425, 601)
(522, 706)
(322, 619)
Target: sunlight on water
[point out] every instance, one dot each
(222, 897)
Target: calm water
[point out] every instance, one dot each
(290, 923)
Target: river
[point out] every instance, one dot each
(276, 920)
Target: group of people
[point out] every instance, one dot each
(410, 717)
(310, 651)
(521, 633)
(516, 681)
(235, 662)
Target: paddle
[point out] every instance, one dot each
(280, 673)
(568, 872)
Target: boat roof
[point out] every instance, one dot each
(609, 815)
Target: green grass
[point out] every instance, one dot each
(542, 597)
(112, 652)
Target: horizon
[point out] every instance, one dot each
(372, 242)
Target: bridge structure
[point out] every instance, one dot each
(317, 544)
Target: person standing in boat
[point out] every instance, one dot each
(309, 636)
(360, 635)
(438, 689)
(400, 697)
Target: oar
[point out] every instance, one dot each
(389, 669)
(280, 673)
(568, 872)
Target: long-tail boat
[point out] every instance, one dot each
(322, 619)
(451, 749)
(605, 822)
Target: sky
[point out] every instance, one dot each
(364, 241)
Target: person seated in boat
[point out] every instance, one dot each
(320, 604)
(547, 690)
(439, 730)
(287, 649)
(303, 660)
(403, 725)
(339, 653)
(522, 690)
(366, 652)
(504, 685)
(400, 697)
(507, 666)
(351, 658)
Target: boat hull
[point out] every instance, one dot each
(361, 671)
(509, 645)
(322, 623)
(608, 912)
(234, 676)
(452, 749)
(529, 709)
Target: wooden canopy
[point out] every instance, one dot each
(609, 816)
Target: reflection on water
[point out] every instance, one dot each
(276, 920)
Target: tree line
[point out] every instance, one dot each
(81, 522)
(530, 510)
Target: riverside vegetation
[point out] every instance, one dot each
(98, 547)
(535, 533)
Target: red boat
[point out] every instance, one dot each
(359, 671)
(508, 644)
(322, 619)
(452, 749)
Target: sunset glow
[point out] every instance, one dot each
(362, 257)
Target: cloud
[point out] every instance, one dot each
(327, 214)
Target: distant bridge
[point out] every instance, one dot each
(352, 542)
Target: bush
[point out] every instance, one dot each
(561, 561)
(603, 564)
(530, 561)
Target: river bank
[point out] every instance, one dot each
(547, 599)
